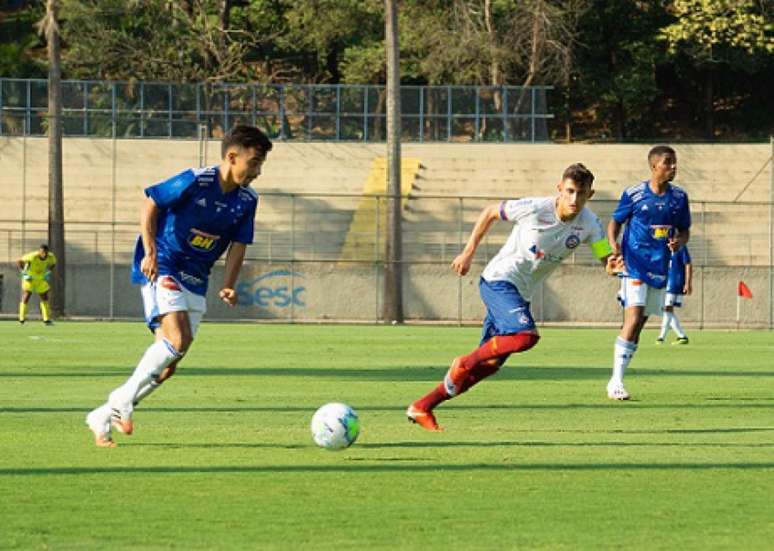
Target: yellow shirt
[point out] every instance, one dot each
(35, 266)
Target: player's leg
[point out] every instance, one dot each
(174, 342)
(666, 319)
(674, 322)
(421, 411)
(514, 331)
(640, 300)
(45, 309)
(196, 309)
(25, 299)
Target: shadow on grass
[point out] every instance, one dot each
(399, 374)
(434, 468)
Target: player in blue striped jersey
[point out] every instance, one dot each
(187, 223)
(658, 220)
(679, 283)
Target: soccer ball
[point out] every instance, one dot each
(335, 426)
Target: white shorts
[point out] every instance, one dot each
(167, 295)
(673, 299)
(638, 293)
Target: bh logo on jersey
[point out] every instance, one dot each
(537, 252)
(660, 232)
(202, 241)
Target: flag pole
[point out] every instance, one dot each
(738, 310)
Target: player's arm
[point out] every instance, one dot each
(21, 264)
(461, 264)
(148, 218)
(614, 263)
(234, 259)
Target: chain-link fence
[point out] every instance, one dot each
(321, 257)
(287, 112)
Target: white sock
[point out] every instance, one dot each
(158, 356)
(622, 355)
(676, 326)
(146, 390)
(665, 320)
(99, 418)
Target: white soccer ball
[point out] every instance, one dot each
(335, 426)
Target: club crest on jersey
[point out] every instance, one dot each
(660, 232)
(572, 241)
(537, 252)
(201, 240)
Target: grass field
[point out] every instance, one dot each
(535, 457)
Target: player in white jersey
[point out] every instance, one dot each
(548, 229)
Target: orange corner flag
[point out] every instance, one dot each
(743, 290)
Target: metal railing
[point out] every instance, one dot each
(286, 111)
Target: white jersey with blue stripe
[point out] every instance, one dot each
(195, 225)
(539, 242)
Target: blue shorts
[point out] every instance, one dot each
(507, 312)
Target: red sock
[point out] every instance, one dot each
(477, 374)
(432, 398)
(481, 372)
(499, 346)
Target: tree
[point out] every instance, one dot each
(56, 233)
(714, 33)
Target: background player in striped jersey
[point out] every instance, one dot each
(658, 220)
(547, 230)
(187, 223)
(679, 283)
(36, 267)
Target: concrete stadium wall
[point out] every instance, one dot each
(104, 181)
(342, 292)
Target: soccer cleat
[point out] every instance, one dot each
(422, 417)
(21, 322)
(48, 322)
(101, 431)
(616, 391)
(659, 341)
(681, 340)
(122, 423)
(454, 378)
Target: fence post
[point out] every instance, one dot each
(506, 134)
(282, 111)
(460, 229)
(532, 116)
(292, 255)
(421, 114)
(448, 113)
(365, 113)
(113, 232)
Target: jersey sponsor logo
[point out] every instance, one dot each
(201, 240)
(202, 202)
(572, 241)
(656, 277)
(169, 282)
(660, 231)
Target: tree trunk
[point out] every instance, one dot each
(709, 103)
(393, 289)
(56, 234)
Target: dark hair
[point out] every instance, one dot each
(579, 174)
(43, 246)
(246, 137)
(660, 151)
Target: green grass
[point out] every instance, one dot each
(535, 457)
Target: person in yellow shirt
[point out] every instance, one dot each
(35, 272)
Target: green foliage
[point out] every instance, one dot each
(20, 45)
(703, 25)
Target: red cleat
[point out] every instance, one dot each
(122, 424)
(422, 417)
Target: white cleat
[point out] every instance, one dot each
(616, 391)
